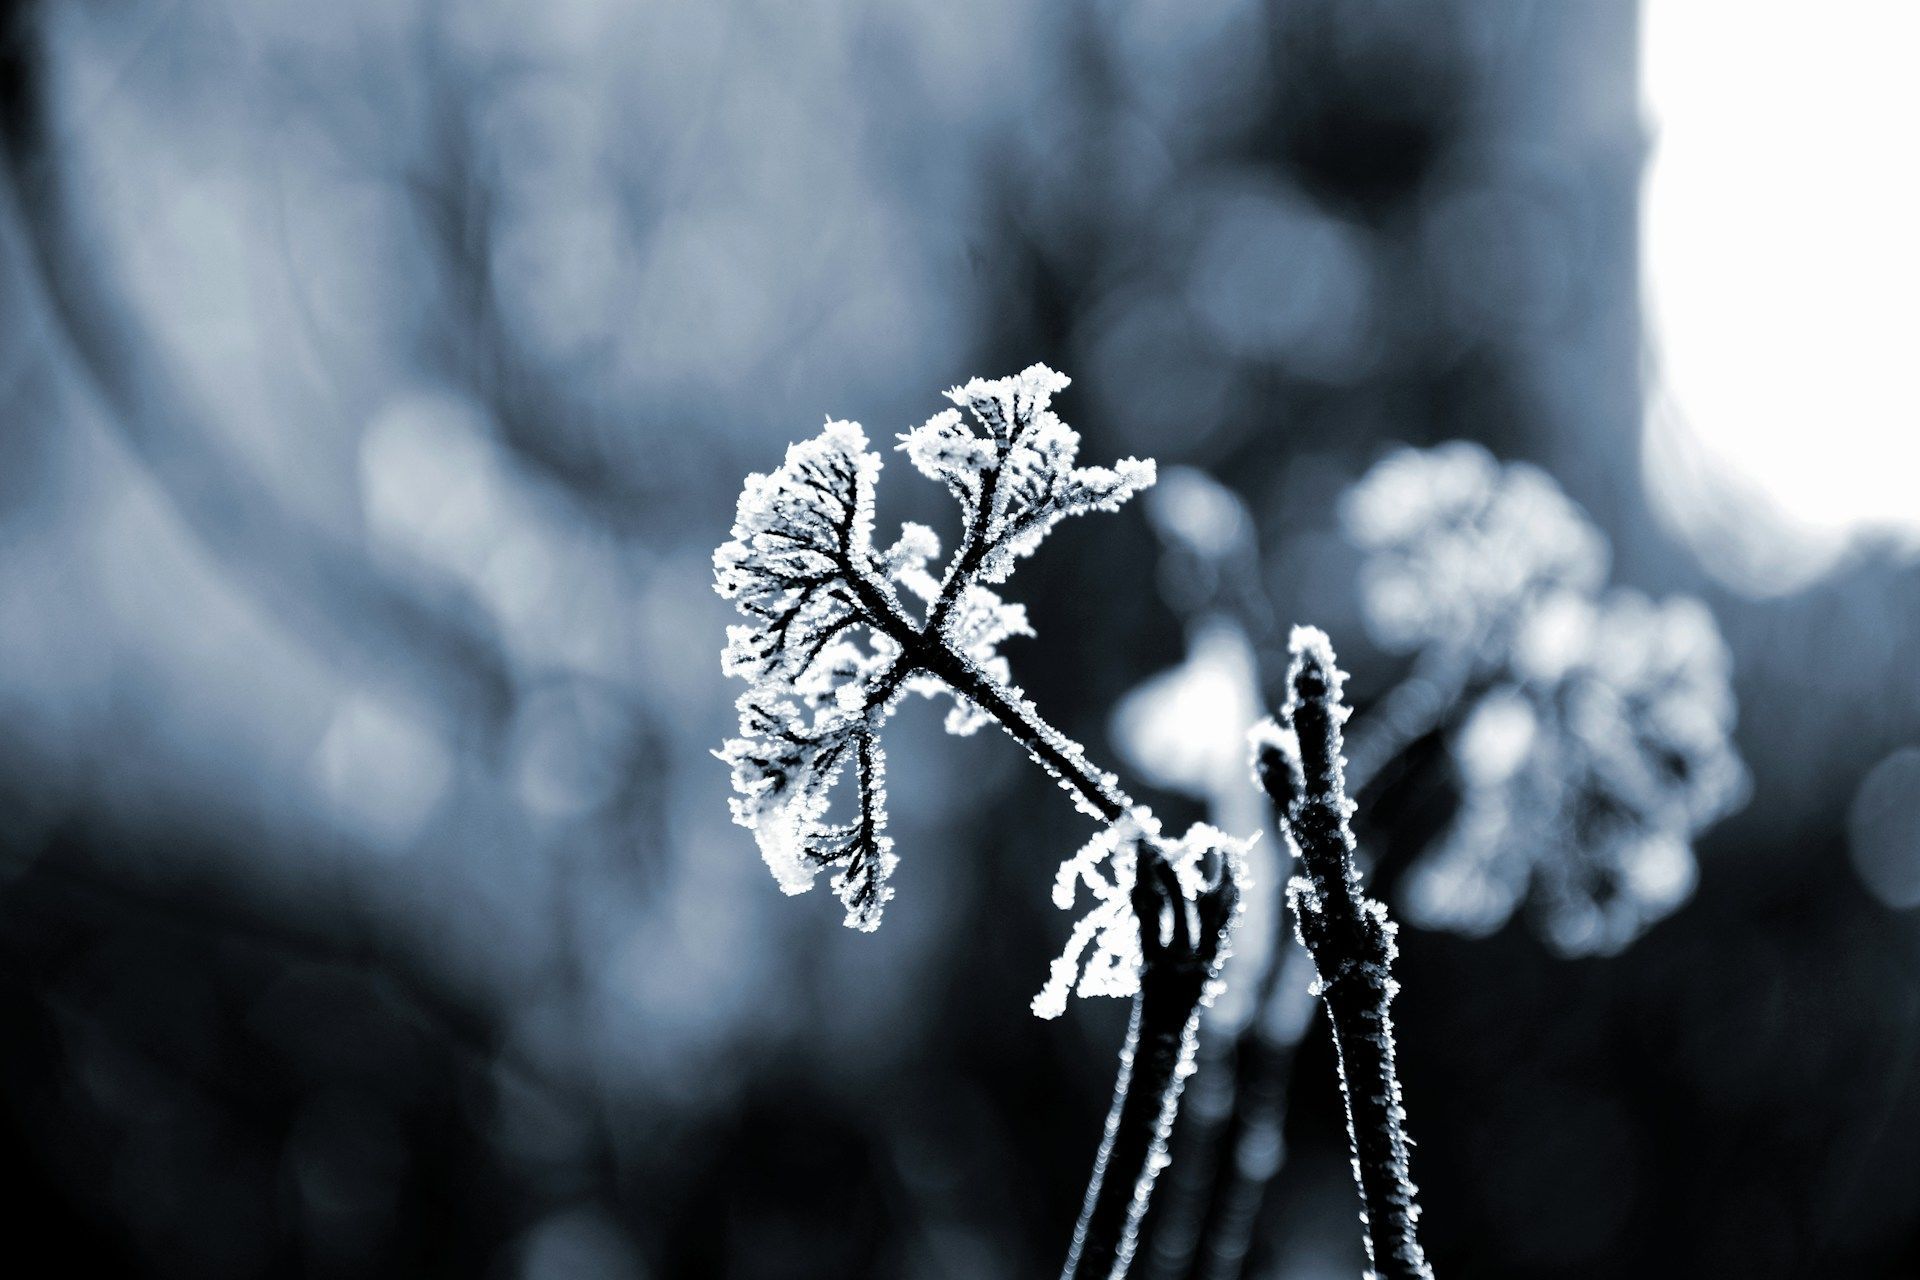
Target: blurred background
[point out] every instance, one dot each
(376, 380)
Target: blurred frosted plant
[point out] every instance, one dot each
(1459, 545)
(1585, 780)
(1590, 740)
(838, 630)
(1171, 728)
(1590, 736)
(1183, 728)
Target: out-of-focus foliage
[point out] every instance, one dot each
(1460, 550)
(375, 382)
(1585, 781)
(1595, 743)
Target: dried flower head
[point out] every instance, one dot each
(1458, 545)
(1586, 778)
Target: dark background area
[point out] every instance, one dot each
(375, 382)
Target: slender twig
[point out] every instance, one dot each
(1352, 944)
(1182, 943)
(927, 648)
(1244, 1153)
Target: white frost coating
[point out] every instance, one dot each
(817, 698)
(1019, 479)
(1271, 735)
(838, 630)
(1312, 642)
(906, 560)
(1105, 867)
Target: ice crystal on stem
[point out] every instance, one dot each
(1298, 760)
(1106, 866)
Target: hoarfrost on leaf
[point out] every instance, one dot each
(1019, 479)
(837, 630)
(797, 567)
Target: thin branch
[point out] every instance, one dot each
(927, 648)
(1183, 943)
(1352, 944)
(1244, 1150)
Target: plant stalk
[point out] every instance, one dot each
(1352, 945)
(1154, 1065)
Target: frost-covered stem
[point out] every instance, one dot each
(927, 648)
(1057, 753)
(1245, 1154)
(1352, 944)
(1155, 1062)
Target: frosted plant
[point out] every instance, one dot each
(1586, 778)
(839, 630)
(1457, 545)
(1105, 865)
(1590, 736)
(833, 642)
(1298, 760)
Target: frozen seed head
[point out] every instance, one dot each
(1105, 951)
